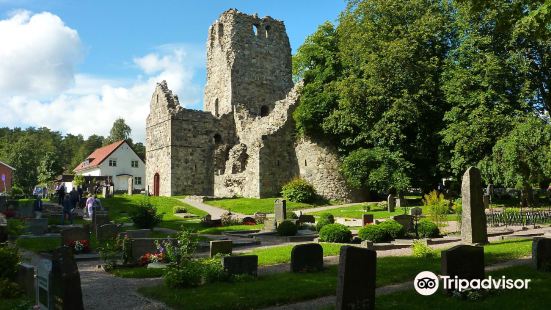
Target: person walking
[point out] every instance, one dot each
(60, 193)
(73, 195)
(37, 207)
(90, 205)
(67, 210)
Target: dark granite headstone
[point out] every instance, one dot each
(25, 279)
(24, 210)
(307, 257)
(367, 219)
(463, 261)
(541, 254)
(356, 279)
(280, 210)
(100, 218)
(415, 211)
(141, 246)
(244, 264)
(473, 217)
(64, 289)
(306, 218)
(404, 220)
(38, 226)
(220, 247)
(72, 234)
(391, 203)
(269, 225)
(107, 232)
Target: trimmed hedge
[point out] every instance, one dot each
(428, 229)
(325, 219)
(382, 232)
(299, 190)
(335, 233)
(287, 228)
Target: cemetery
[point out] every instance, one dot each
(399, 158)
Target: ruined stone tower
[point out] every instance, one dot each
(243, 143)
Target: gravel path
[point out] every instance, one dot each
(101, 290)
(215, 212)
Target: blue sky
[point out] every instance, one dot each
(103, 56)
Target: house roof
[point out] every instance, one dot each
(3, 163)
(98, 156)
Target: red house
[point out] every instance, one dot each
(6, 177)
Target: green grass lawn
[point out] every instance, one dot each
(358, 211)
(39, 244)
(253, 205)
(286, 287)
(282, 254)
(119, 208)
(136, 272)
(220, 230)
(538, 296)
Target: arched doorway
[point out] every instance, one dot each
(156, 184)
(264, 111)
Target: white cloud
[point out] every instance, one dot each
(38, 54)
(93, 103)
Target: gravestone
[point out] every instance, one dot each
(220, 247)
(404, 220)
(356, 279)
(130, 186)
(367, 219)
(473, 217)
(100, 218)
(72, 234)
(280, 210)
(38, 226)
(107, 232)
(307, 257)
(244, 264)
(306, 218)
(391, 203)
(486, 201)
(136, 233)
(59, 281)
(416, 211)
(141, 246)
(259, 217)
(3, 228)
(25, 279)
(269, 225)
(25, 210)
(463, 261)
(541, 254)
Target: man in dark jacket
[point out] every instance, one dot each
(67, 210)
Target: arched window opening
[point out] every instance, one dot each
(264, 111)
(255, 29)
(216, 108)
(305, 163)
(217, 139)
(267, 28)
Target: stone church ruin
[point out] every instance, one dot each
(244, 142)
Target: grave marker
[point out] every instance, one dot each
(73, 234)
(220, 247)
(541, 254)
(463, 261)
(244, 264)
(391, 203)
(107, 232)
(367, 219)
(38, 226)
(307, 257)
(356, 279)
(404, 220)
(280, 210)
(473, 217)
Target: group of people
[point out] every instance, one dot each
(71, 201)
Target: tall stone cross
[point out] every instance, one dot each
(473, 217)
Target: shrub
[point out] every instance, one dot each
(15, 227)
(335, 233)
(192, 273)
(287, 228)
(145, 215)
(9, 261)
(373, 233)
(299, 190)
(180, 209)
(427, 229)
(325, 219)
(422, 250)
(183, 249)
(437, 205)
(111, 252)
(9, 289)
(393, 228)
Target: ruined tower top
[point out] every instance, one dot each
(248, 64)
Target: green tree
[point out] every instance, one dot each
(522, 157)
(49, 168)
(119, 131)
(377, 169)
(23, 157)
(78, 180)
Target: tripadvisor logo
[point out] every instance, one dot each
(426, 283)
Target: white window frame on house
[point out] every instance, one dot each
(112, 162)
(137, 180)
(134, 164)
